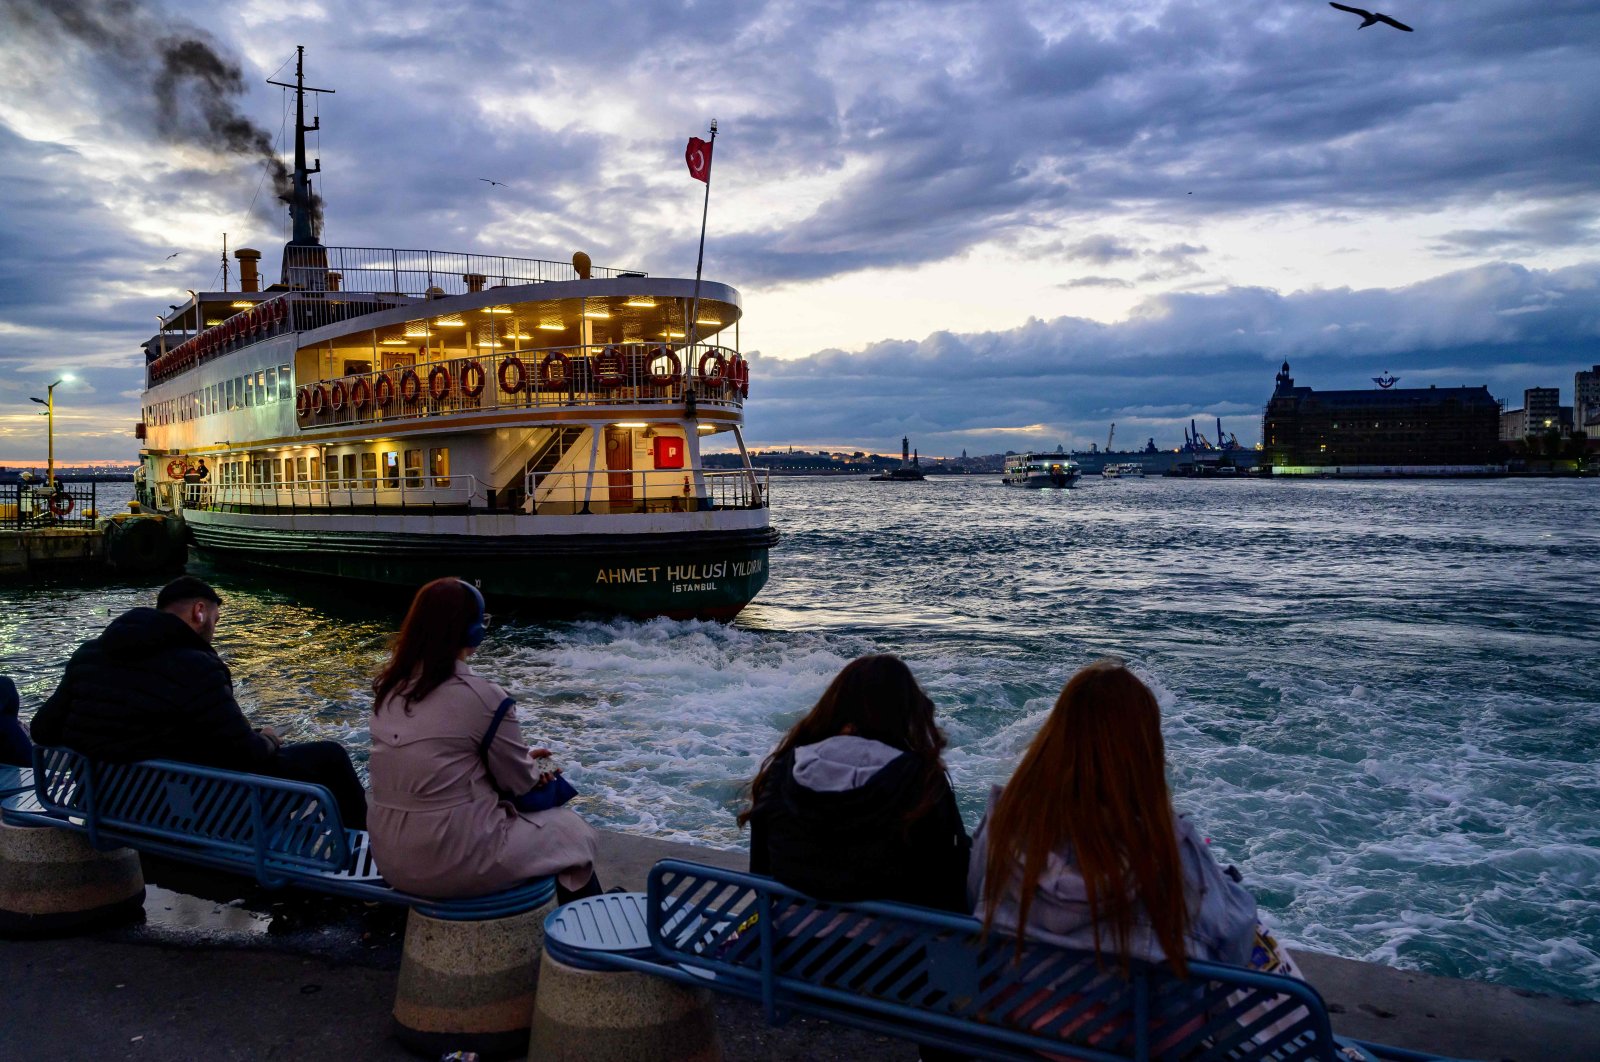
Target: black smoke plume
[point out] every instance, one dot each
(196, 89)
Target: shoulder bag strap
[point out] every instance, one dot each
(488, 738)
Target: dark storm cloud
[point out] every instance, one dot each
(1532, 231)
(1009, 128)
(917, 131)
(1181, 356)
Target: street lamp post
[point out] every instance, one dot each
(49, 404)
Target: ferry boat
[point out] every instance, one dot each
(391, 416)
(1123, 470)
(1041, 470)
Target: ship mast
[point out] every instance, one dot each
(301, 210)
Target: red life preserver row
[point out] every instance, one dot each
(661, 365)
(262, 318)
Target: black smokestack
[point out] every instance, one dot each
(195, 86)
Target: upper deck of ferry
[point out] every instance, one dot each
(388, 335)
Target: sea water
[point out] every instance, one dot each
(1380, 699)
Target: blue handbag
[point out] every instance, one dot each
(552, 794)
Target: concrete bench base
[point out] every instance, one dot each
(619, 1016)
(469, 985)
(53, 881)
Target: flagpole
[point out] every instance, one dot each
(699, 262)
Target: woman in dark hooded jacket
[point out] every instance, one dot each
(854, 803)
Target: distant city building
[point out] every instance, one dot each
(1542, 407)
(1586, 398)
(1389, 431)
(1513, 425)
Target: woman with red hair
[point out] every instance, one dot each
(1082, 847)
(447, 783)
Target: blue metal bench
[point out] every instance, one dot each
(936, 978)
(279, 832)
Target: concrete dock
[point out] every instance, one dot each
(276, 976)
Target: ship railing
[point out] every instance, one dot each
(411, 490)
(643, 490)
(407, 271)
(595, 375)
(553, 493)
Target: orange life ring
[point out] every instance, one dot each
(515, 381)
(60, 503)
(719, 367)
(280, 309)
(610, 369)
(383, 391)
(741, 375)
(555, 381)
(319, 399)
(360, 393)
(337, 398)
(439, 383)
(669, 377)
(410, 385)
(302, 403)
(472, 379)
(175, 468)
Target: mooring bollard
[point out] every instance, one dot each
(469, 985)
(53, 881)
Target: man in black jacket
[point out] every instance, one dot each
(151, 687)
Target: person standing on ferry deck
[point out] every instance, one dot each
(443, 819)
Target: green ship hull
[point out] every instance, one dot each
(699, 575)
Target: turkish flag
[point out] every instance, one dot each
(698, 156)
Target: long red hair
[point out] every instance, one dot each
(1093, 782)
(430, 639)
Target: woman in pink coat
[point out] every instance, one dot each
(442, 817)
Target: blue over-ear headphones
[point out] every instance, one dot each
(474, 636)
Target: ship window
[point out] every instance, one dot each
(413, 468)
(284, 386)
(263, 395)
(391, 468)
(301, 470)
(439, 462)
(272, 385)
(369, 467)
(227, 395)
(349, 470)
(355, 367)
(316, 468)
(288, 470)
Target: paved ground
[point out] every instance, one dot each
(277, 978)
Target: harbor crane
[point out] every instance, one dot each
(1112, 434)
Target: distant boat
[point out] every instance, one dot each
(1125, 470)
(1042, 470)
(910, 470)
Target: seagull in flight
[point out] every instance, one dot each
(173, 255)
(502, 184)
(1372, 17)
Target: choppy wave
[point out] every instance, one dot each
(1379, 698)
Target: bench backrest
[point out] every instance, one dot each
(255, 821)
(940, 971)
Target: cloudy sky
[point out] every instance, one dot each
(991, 225)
